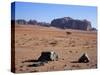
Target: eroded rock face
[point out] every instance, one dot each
(70, 23)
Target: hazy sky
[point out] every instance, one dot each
(48, 12)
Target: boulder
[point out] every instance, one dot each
(48, 56)
(84, 58)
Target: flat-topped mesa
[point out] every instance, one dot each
(70, 23)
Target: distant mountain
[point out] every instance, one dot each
(31, 22)
(70, 23)
(62, 23)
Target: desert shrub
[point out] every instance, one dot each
(53, 43)
(68, 33)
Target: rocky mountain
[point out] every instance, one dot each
(63, 23)
(70, 23)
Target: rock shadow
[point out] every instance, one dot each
(36, 63)
(45, 57)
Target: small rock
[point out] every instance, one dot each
(84, 58)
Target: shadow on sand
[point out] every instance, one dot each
(36, 63)
(75, 62)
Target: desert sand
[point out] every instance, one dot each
(31, 40)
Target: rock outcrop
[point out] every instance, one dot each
(48, 56)
(70, 23)
(84, 58)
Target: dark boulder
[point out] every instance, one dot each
(84, 58)
(48, 56)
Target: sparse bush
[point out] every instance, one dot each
(53, 43)
(68, 33)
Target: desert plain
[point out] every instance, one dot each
(69, 44)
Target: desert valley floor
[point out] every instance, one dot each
(31, 40)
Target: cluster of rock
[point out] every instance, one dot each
(70, 23)
(47, 56)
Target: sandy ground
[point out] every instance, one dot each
(30, 41)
